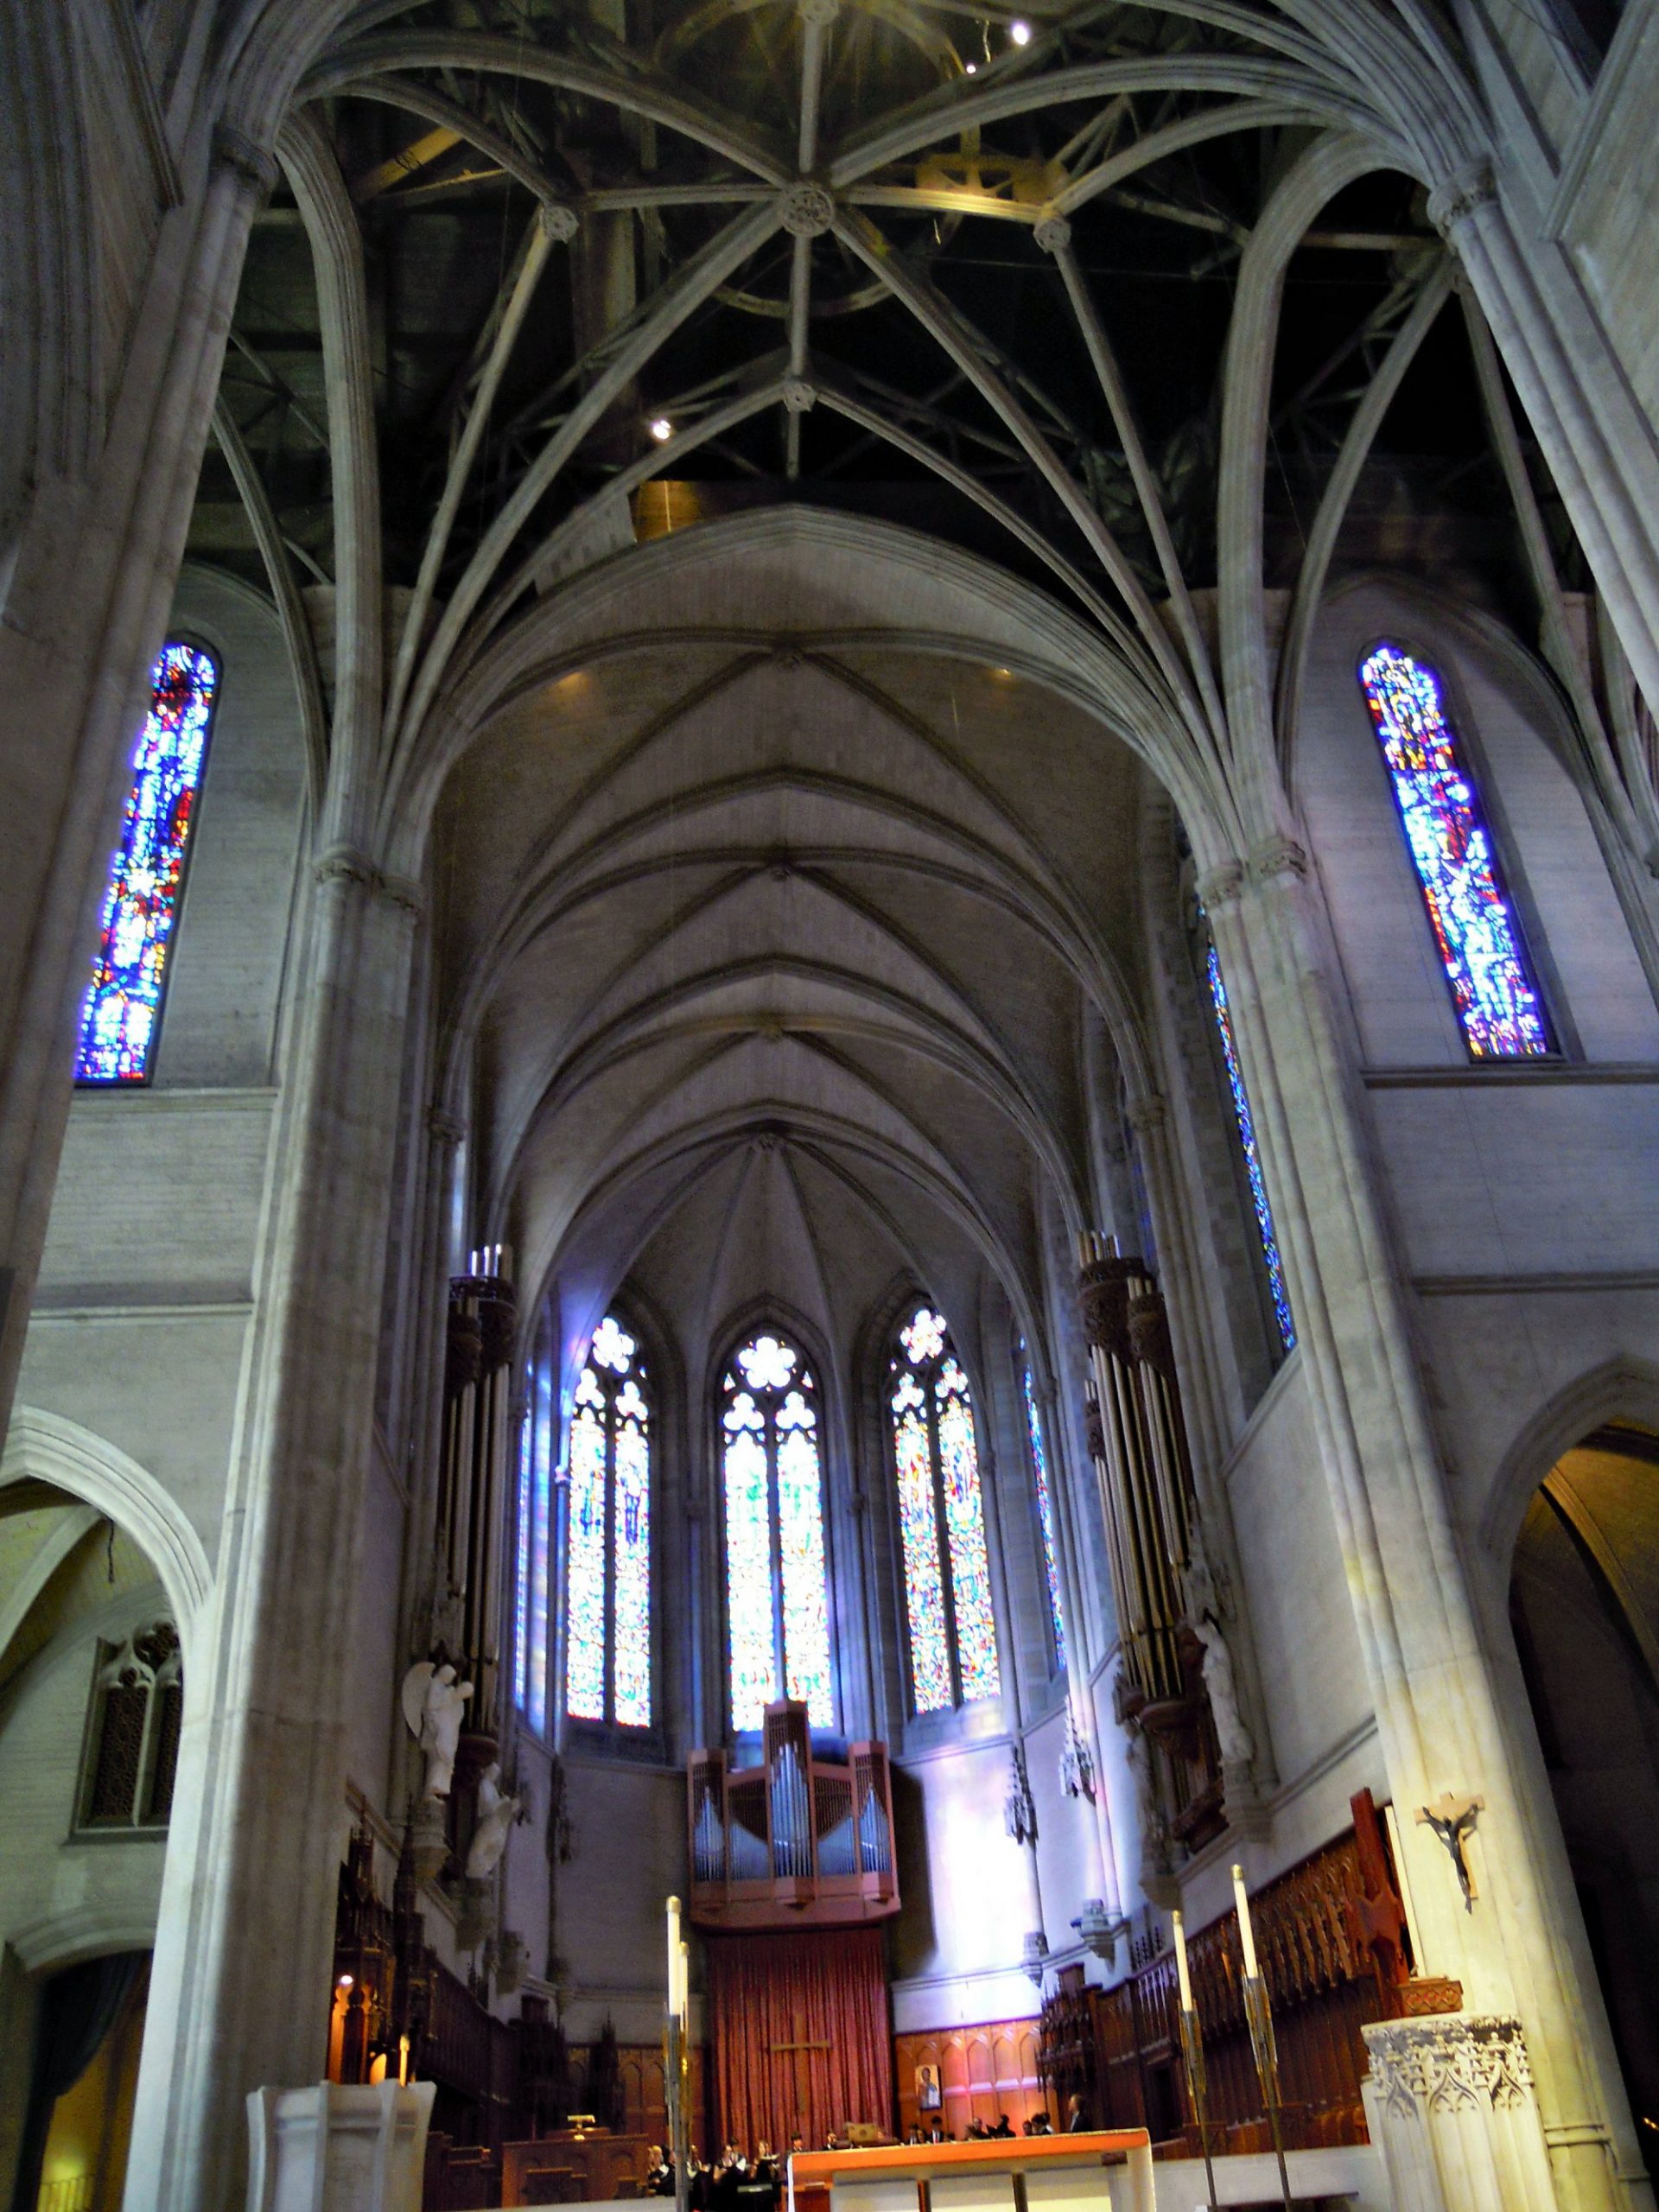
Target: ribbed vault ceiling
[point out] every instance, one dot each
(778, 975)
(769, 913)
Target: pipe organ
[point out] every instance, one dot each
(475, 1494)
(1138, 1442)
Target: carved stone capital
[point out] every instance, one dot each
(1053, 234)
(444, 1126)
(1276, 856)
(1147, 1114)
(347, 864)
(1220, 886)
(799, 396)
(820, 14)
(1455, 198)
(806, 211)
(1457, 2063)
(560, 221)
(253, 166)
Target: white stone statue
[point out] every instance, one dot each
(1204, 1609)
(496, 1814)
(434, 1702)
(1237, 1745)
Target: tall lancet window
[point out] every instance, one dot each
(776, 1587)
(1476, 933)
(535, 1518)
(1246, 1123)
(1044, 1511)
(941, 1520)
(607, 1575)
(123, 1008)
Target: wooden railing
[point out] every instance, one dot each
(804, 1838)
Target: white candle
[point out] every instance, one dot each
(1180, 1962)
(684, 1983)
(1247, 1939)
(674, 1949)
(403, 2060)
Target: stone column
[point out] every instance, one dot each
(1455, 2116)
(1521, 1951)
(1598, 441)
(86, 576)
(244, 1947)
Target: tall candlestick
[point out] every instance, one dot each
(1180, 1962)
(1246, 1937)
(684, 1984)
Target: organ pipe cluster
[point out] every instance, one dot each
(1139, 1445)
(476, 1496)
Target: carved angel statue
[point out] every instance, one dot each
(1203, 1607)
(496, 1814)
(434, 1702)
(1237, 1743)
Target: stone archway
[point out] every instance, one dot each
(1584, 1605)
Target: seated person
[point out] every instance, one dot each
(1004, 2131)
(936, 2132)
(659, 2172)
(1040, 2123)
(1077, 2120)
(916, 2134)
(796, 2142)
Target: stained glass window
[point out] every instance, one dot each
(1252, 1157)
(608, 1552)
(941, 1520)
(777, 1580)
(535, 1514)
(141, 904)
(1475, 928)
(1044, 1511)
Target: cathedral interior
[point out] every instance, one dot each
(829, 859)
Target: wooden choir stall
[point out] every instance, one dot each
(574, 2165)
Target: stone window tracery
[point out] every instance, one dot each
(132, 1741)
(1476, 933)
(1040, 1481)
(608, 1564)
(952, 1628)
(121, 1011)
(777, 1580)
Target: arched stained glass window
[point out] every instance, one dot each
(535, 1516)
(777, 1585)
(941, 1521)
(1245, 1121)
(1044, 1511)
(607, 1567)
(122, 1006)
(1476, 932)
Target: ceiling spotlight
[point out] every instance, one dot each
(1020, 31)
(971, 68)
(661, 430)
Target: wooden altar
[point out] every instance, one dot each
(572, 2166)
(1098, 2173)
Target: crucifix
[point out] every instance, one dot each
(799, 2049)
(1452, 1819)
